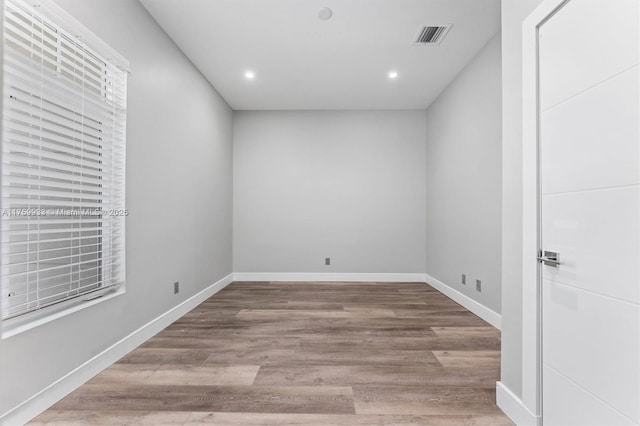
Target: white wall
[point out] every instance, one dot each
(513, 13)
(342, 184)
(178, 193)
(463, 180)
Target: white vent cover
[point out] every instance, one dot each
(431, 35)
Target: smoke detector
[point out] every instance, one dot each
(325, 14)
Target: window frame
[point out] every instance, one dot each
(68, 27)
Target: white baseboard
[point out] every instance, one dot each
(492, 317)
(513, 407)
(321, 276)
(71, 381)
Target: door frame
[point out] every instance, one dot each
(531, 215)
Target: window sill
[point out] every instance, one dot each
(15, 326)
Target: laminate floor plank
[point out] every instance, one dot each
(375, 375)
(171, 374)
(299, 353)
(164, 356)
(105, 418)
(256, 399)
(466, 332)
(327, 356)
(403, 343)
(111, 417)
(251, 344)
(257, 314)
(381, 327)
(438, 400)
(468, 358)
(251, 419)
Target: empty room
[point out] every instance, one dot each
(320, 212)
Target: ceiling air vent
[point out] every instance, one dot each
(431, 35)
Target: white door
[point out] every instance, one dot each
(590, 213)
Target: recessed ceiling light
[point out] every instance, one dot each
(325, 14)
(393, 75)
(249, 75)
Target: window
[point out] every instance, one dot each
(62, 164)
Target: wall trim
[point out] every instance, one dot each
(322, 276)
(514, 408)
(72, 380)
(490, 316)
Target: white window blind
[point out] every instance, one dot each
(62, 168)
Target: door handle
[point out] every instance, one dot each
(550, 258)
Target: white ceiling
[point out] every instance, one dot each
(302, 62)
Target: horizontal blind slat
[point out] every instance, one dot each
(32, 170)
(38, 181)
(20, 203)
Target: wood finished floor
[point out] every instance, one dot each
(303, 354)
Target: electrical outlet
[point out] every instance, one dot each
(478, 285)
(327, 261)
(176, 287)
(464, 279)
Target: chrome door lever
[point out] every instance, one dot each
(550, 258)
